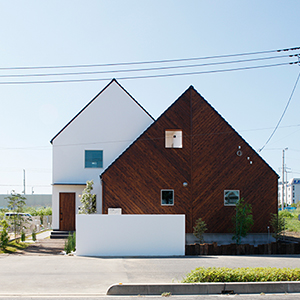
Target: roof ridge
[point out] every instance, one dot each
(93, 99)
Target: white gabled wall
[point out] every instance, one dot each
(111, 122)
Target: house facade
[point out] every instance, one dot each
(191, 161)
(88, 144)
(293, 191)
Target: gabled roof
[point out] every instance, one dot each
(113, 80)
(191, 88)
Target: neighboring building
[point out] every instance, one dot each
(280, 193)
(191, 161)
(88, 144)
(31, 200)
(293, 191)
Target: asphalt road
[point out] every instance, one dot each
(82, 276)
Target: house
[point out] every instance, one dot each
(191, 161)
(293, 191)
(88, 144)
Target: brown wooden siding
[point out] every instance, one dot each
(208, 162)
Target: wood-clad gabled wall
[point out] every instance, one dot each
(207, 162)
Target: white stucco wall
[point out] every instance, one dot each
(110, 123)
(77, 189)
(130, 235)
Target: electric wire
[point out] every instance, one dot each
(144, 139)
(284, 111)
(149, 69)
(148, 76)
(151, 61)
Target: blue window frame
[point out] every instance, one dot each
(93, 159)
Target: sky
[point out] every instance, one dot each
(73, 33)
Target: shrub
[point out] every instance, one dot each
(285, 214)
(4, 235)
(199, 229)
(23, 236)
(33, 235)
(242, 275)
(38, 211)
(70, 244)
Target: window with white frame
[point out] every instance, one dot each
(231, 197)
(173, 138)
(93, 159)
(167, 197)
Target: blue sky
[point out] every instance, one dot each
(54, 33)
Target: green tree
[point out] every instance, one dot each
(199, 229)
(88, 200)
(4, 238)
(243, 220)
(277, 223)
(16, 204)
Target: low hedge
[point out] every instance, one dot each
(242, 275)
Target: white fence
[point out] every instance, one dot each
(130, 235)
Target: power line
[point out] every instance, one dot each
(149, 69)
(285, 109)
(123, 141)
(163, 137)
(149, 76)
(151, 61)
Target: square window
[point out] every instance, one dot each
(231, 197)
(173, 138)
(93, 159)
(167, 197)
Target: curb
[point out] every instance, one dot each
(205, 288)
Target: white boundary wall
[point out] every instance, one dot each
(130, 235)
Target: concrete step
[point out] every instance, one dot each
(59, 234)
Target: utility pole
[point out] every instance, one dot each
(282, 179)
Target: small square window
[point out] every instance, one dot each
(173, 138)
(167, 197)
(93, 159)
(231, 197)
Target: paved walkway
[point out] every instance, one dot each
(43, 245)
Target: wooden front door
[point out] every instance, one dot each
(67, 211)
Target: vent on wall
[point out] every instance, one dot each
(173, 138)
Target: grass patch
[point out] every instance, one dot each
(291, 220)
(242, 275)
(292, 224)
(13, 246)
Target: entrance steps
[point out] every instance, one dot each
(59, 234)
